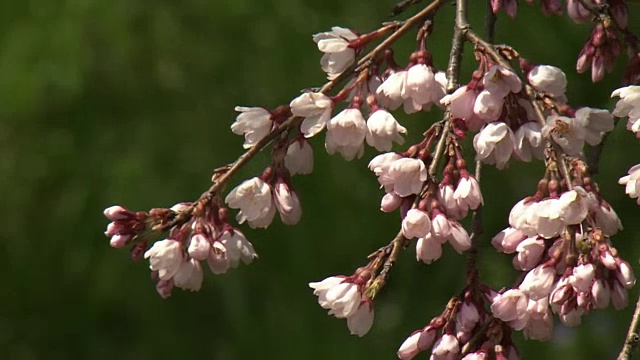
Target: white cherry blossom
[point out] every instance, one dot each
(416, 224)
(596, 122)
(567, 132)
(346, 133)
(383, 130)
(338, 55)
(238, 248)
(632, 182)
(407, 176)
(548, 79)
(253, 198)
(315, 108)
(299, 158)
(389, 93)
(360, 322)
(189, 275)
(528, 142)
(254, 122)
(494, 144)
(165, 257)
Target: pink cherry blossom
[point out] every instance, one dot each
(287, 203)
(407, 176)
(510, 305)
(445, 348)
(218, 260)
(199, 247)
(528, 142)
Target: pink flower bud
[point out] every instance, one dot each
(287, 203)
(164, 287)
(601, 294)
(625, 275)
(409, 348)
(119, 241)
(619, 296)
(117, 213)
(390, 202)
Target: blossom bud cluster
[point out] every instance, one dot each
(562, 242)
(124, 226)
(175, 261)
(495, 103)
(448, 334)
(371, 98)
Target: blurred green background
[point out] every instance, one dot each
(130, 102)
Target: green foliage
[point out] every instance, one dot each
(130, 102)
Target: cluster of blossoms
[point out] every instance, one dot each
(465, 330)
(560, 236)
(175, 261)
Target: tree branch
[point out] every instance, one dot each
(632, 339)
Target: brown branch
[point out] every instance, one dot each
(632, 339)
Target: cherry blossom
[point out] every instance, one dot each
(346, 133)
(299, 157)
(338, 54)
(165, 256)
(494, 144)
(383, 130)
(254, 122)
(316, 110)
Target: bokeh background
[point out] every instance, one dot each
(130, 102)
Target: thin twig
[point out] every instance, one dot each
(490, 23)
(632, 339)
(408, 24)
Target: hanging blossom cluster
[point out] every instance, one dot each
(515, 110)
